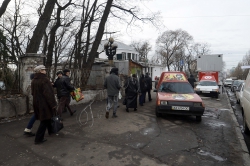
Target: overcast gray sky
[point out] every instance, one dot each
(224, 24)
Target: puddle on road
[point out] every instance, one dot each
(217, 124)
(136, 145)
(224, 109)
(216, 157)
(213, 112)
(147, 131)
(210, 112)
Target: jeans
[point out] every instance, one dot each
(112, 101)
(31, 122)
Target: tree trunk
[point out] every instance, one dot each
(42, 24)
(96, 44)
(4, 7)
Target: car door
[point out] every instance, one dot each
(246, 100)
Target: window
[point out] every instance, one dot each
(133, 56)
(129, 55)
(119, 56)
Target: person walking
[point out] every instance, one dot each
(44, 102)
(156, 81)
(112, 84)
(131, 91)
(143, 90)
(64, 87)
(56, 85)
(148, 80)
(27, 130)
(191, 80)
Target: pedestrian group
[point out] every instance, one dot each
(133, 89)
(45, 105)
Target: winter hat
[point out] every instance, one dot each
(38, 68)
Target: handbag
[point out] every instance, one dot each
(56, 123)
(77, 94)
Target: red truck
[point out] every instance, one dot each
(209, 73)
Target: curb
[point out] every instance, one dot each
(245, 154)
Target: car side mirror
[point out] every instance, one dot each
(155, 90)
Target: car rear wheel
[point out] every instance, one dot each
(245, 128)
(198, 118)
(157, 113)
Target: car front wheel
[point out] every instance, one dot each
(157, 113)
(198, 118)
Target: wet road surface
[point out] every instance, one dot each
(238, 113)
(132, 139)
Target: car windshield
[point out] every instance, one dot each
(208, 83)
(237, 82)
(176, 87)
(229, 81)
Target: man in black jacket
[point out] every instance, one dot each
(191, 80)
(149, 86)
(65, 88)
(56, 84)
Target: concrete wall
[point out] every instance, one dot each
(11, 107)
(27, 64)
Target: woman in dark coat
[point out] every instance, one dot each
(131, 91)
(44, 102)
(143, 90)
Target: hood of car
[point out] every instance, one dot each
(192, 97)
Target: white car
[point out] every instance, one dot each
(239, 93)
(246, 105)
(228, 82)
(207, 87)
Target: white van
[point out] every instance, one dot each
(246, 105)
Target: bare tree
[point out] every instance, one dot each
(194, 50)
(40, 27)
(70, 33)
(170, 43)
(52, 37)
(143, 48)
(4, 7)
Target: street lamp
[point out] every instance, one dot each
(110, 49)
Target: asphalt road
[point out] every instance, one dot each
(132, 139)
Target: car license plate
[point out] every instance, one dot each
(180, 108)
(205, 92)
